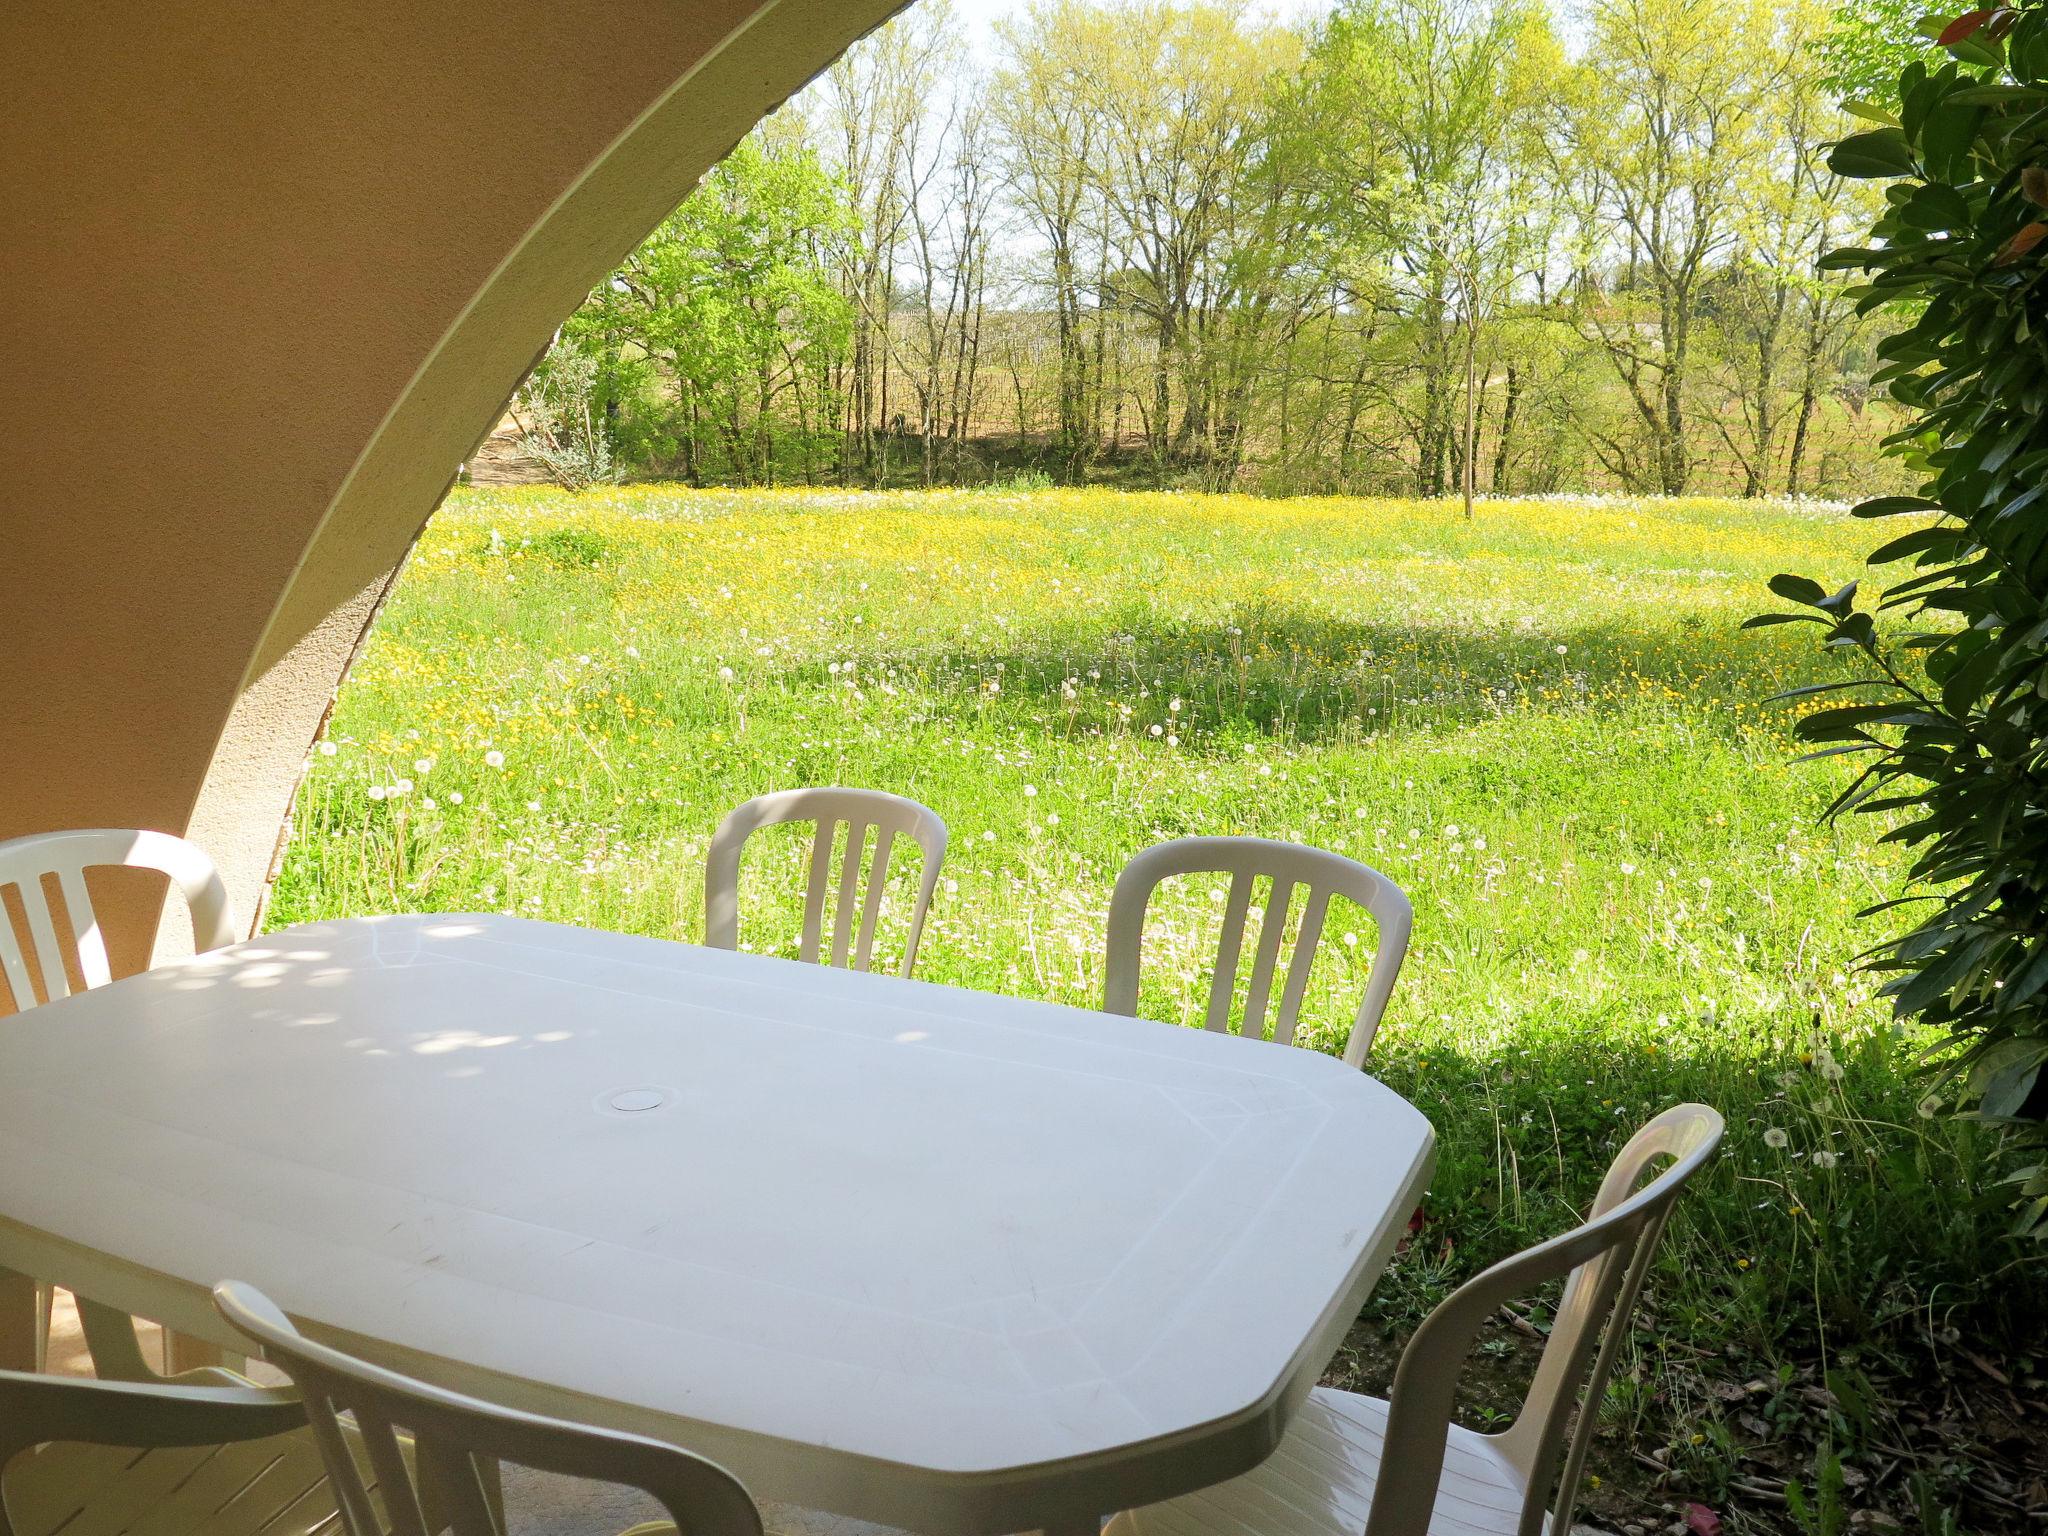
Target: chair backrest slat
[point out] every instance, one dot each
(1305, 942)
(1272, 929)
(871, 907)
(1288, 867)
(844, 910)
(815, 886)
(1603, 1263)
(91, 948)
(13, 962)
(1223, 984)
(42, 928)
(344, 1474)
(404, 1514)
(30, 865)
(456, 1437)
(855, 915)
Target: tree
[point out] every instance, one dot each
(560, 413)
(1410, 248)
(1657, 133)
(1438, 95)
(873, 126)
(1868, 42)
(1048, 133)
(731, 301)
(1182, 93)
(1782, 320)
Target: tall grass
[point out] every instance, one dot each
(1544, 724)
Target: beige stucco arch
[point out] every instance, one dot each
(267, 274)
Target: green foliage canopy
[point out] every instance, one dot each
(733, 302)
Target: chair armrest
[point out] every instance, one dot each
(34, 1409)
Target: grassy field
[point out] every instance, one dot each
(1544, 724)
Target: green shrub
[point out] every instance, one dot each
(1950, 719)
(570, 548)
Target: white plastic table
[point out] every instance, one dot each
(904, 1252)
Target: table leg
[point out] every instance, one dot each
(17, 1322)
(184, 1353)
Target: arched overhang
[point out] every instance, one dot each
(267, 275)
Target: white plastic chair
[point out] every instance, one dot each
(65, 857)
(1400, 1467)
(1286, 865)
(459, 1442)
(224, 1459)
(891, 816)
(29, 865)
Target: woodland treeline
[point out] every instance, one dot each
(1415, 246)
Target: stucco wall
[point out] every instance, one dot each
(267, 274)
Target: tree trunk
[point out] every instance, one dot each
(1507, 427)
(1470, 457)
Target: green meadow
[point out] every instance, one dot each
(1543, 723)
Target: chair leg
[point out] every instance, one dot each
(18, 1315)
(183, 1353)
(46, 1314)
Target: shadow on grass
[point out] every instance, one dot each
(1279, 672)
(1852, 1291)
(1832, 1204)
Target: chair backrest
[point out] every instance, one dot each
(29, 864)
(1319, 873)
(457, 1442)
(858, 810)
(1606, 1260)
